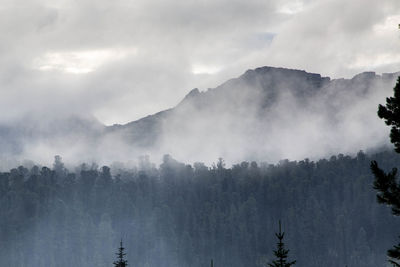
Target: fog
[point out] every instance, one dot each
(287, 118)
(117, 63)
(266, 115)
(196, 173)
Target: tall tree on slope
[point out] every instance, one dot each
(387, 184)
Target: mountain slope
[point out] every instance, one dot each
(267, 114)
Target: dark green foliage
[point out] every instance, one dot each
(386, 183)
(394, 253)
(179, 215)
(121, 262)
(387, 186)
(281, 253)
(391, 114)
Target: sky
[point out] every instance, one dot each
(121, 60)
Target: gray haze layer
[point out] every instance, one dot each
(266, 114)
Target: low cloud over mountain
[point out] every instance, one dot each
(266, 114)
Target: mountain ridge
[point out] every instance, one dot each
(266, 113)
(318, 78)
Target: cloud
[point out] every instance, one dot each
(334, 38)
(78, 62)
(292, 7)
(136, 58)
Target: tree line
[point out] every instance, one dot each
(182, 215)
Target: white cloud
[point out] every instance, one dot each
(374, 61)
(79, 62)
(292, 7)
(205, 69)
(389, 25)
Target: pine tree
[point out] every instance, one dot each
(386, 183)
(121, 262)
(281, 253)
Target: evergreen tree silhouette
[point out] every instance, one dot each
(281, 253)
(386, 183)
(121, 262)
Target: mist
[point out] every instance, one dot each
(190, 129)
(104, 62)
(265, 115)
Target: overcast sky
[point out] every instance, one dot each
(124, 59)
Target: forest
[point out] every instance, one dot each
(177, 214)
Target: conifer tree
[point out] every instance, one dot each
(281, 253)
(387, 184)
(121, 262)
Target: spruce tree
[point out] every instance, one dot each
(387, 184)
(281, 253)
(121, 262)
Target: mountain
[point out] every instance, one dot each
(266, 114)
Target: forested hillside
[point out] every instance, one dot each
(182, 215)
